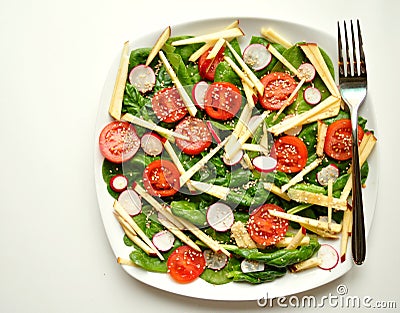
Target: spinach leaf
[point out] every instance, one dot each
(269, 274)
(222, 276)
(278, 258)
(189, 211)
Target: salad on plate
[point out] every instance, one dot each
(228, 157)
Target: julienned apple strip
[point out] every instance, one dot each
(195, 168)
(257, 83)
(210, 44)
(211, 243)
(168, 215)
(131, 234)
(227, 33)
(168, 147)
(185, 97)
(121, 211)
(273, 36)
(366, 147)
(159, 44)
(119, 88)
(335, 228)
(151, 126)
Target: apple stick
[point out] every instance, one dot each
(185, 97)
(257, 83)
(273, 36)
(150, 125)
(159, 44)
(119, 88)
(209, 44)
(121, 211)
(123, 261)
(297, 239)
(335, 228)
(168, 215)
(227, 33)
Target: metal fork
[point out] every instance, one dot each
(353, 89)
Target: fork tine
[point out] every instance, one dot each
(363, 68)
(353, 42)
(340, 52)
(348, 68)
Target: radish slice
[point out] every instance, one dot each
(251, 266)
(163, 240)
(118, 183)
(307, 70)
(257, 56)
(329, 257)
(234, 160)
(264, 164)
(295, 130)
(312, 95)
(330, 172)
(215, 260)
(152, 144)
(213, 132)
(220, 216)
(130, 201)
(142, 77)
(199, 92)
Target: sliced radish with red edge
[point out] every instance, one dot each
(163, 240)
(130, 201)
(234, 160)
(312, 95)
(264, 164)
(329, 257)
(215, 260)
(257, 56)
(251, 266)
(220, 216)
(307, 70)
(152, 144)
(213, 132)
(199, 92)
(329, 172)
(143, 78)
(118, 183)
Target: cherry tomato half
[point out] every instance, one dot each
(161, 178)
(266, 229)
(278, 87)
(197, 131)
(291, 154)
(118, 141)
(186, 264)
(222, 101)
(168, 105)
(207, 67)
(338, 140)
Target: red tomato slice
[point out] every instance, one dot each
(291, 154)
(186, 264)
(197, 131)
(207, 67)
(338, 140)
(168, 105)
(161, 178)
(222, 101)
(266, 229)
(278, 87)
(118, 141)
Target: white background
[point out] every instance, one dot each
(54, 58)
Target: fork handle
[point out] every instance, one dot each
(358, 229)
